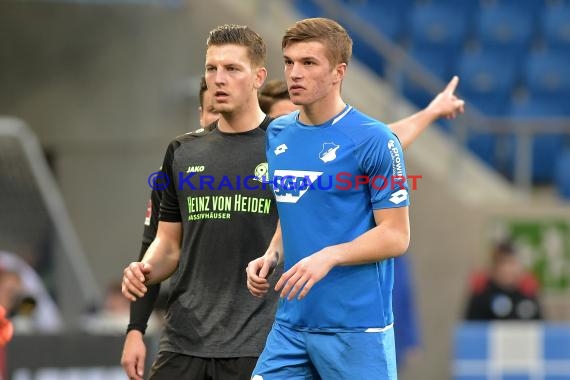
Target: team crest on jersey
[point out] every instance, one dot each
(260, 172)
(328, 153)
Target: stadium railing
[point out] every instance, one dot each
(34, 220)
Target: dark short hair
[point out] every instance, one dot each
(240, 35)
(271, 92)
(503, 249)
(203, 89)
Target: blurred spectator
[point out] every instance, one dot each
(504, 292)
(6, 332)
(34, 307)
(6, 329)
(208, 113)
(274, 98)
(11, 291)
(18, 305)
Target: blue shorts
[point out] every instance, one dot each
(301, 355)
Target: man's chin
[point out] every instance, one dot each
(224, 108)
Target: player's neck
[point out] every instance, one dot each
(322, 110)
(241, 120)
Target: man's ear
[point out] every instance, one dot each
(340, 72)
(260, 76)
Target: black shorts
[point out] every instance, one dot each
(170, 365)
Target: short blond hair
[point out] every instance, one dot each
(326, 31)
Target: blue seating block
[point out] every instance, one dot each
(555, 26)
(545, 147)
(559, 347)
(488, 72)
(548, 72)
(508, 28)
(438, 26)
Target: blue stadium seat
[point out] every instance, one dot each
(308, 8)
(485, 145)
(562, 175)
(470, 341)
(531, 6)
(546, 148)
(490, 105)
(488, 73)
(438, 26)
(555, 26)
(404, 5)
(437, 61)
(548, 73)
(386, 17)
(459, 4)
(507, 28)
(366, 54)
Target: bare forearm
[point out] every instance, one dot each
(377, 244)
(411, 127)
(276, 245)
(163, 256)
(390, 238)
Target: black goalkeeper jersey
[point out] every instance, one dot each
(228, 217)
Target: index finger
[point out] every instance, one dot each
(284, 278)
(452, 85)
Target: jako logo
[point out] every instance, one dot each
(290, 185)
(195, 169)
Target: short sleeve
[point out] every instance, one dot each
(381, 159)
(169, 208)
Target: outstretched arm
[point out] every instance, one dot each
(445, 104)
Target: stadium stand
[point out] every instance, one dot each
(506, 28)
(555, 27)
(512, 57)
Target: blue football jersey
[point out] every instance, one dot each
(328, 179)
